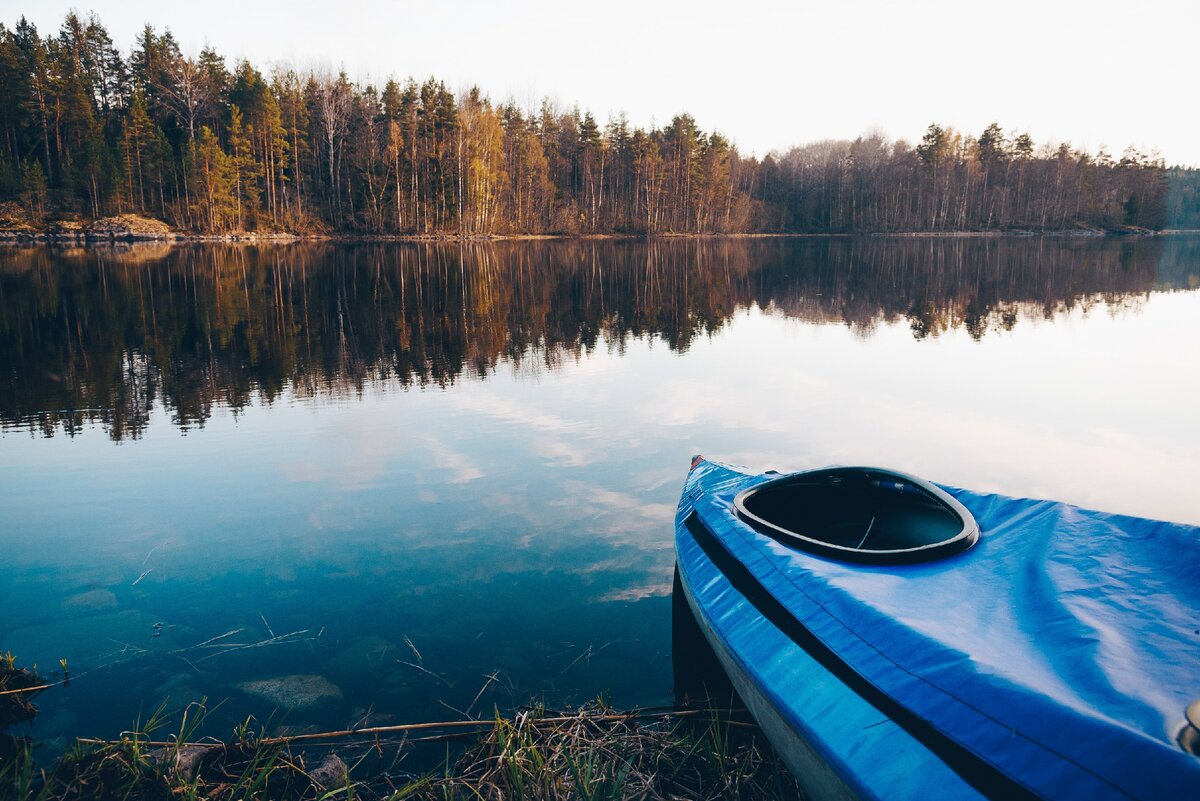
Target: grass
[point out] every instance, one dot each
(596, 757)
(593, 754)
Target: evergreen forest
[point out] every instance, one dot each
(210, 146)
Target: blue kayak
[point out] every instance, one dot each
(897, 639)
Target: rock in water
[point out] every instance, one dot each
(84, 640)
(93, 600)
(301, 691)
(177, 692)
(185, 761)
(330, 774)
(367, 660)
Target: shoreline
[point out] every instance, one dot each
(10, 237)
(689, 751)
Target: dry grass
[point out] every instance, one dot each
(588, 754)
(592, 753)
(595, 757)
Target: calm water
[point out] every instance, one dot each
(441, 478)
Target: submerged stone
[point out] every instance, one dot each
(330, 773)
(88, 641)
(300, 691)
(94, 600)
(368, 718)
(369, 658)
(177, 692)
(184, 762)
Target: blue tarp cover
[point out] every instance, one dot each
(1062, 649)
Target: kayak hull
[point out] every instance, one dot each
(1047, 662)
(820, 781)
(837, 745)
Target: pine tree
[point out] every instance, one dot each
(245, 170)
(36, 70)
(33, 188)
(213, 178)
(137, 150)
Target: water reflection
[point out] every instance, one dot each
(103, 335)
(467, 459)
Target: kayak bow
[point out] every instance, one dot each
(900, 639)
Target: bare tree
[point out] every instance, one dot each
(187, 91)
(335, 102)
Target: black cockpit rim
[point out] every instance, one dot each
(967, 535)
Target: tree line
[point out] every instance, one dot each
(210, 146)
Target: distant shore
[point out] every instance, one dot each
(133, 228)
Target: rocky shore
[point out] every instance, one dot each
(17, 225)
(121, 228)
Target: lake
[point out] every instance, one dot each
(428, 480)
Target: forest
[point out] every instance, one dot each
(210, 147)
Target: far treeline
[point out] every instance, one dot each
(213, 147)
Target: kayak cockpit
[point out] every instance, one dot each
(862, 514)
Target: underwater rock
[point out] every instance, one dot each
(95, 600)
(177, 692)
(300, 691)
(293, 729)
(368, 659)
(330, 774)
(368, 718)
(87, 641)
(186, 760)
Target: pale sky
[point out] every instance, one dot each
(767, 74)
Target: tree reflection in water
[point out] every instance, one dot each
(100, 335)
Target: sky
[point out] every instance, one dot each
(767, 74)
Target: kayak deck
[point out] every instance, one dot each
(836, 744)
(1013, 666)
